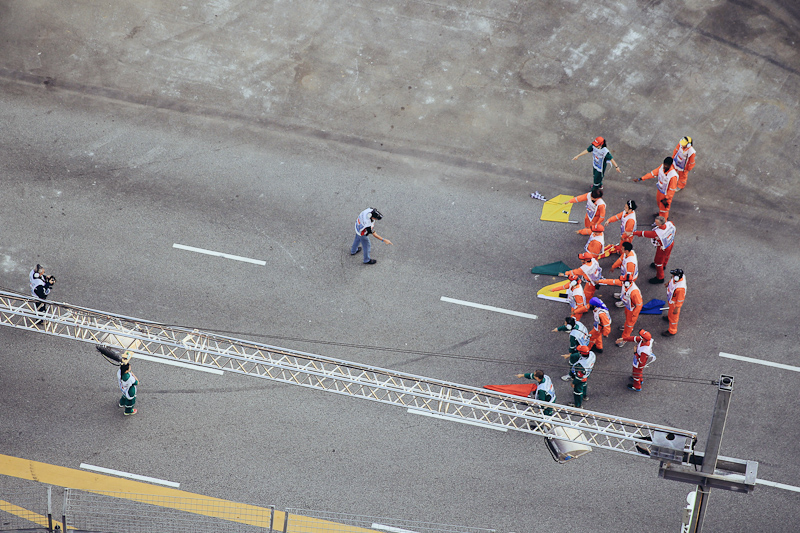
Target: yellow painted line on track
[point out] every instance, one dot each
(23, 513)
(138, 491)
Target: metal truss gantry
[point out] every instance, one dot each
(419, 394)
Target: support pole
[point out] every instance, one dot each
(712, 450)
(50, 509)
(64, 511)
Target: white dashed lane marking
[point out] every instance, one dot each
(759, 361)
(219, 254)
(454, 419)
(488, 308)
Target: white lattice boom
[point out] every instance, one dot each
(432, 396)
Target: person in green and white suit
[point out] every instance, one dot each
(545, 392)
(127, 383)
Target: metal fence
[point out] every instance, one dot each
(25, 507)
(147, 513)
(31, 507)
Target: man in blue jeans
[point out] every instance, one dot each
(365, 224)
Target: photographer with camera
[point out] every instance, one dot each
(41, 285)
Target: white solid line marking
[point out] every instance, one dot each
(390, 529)
(488, 307)
(777, 485)
(130, 476)
(445, 417)
(179, 363)
(219, 254)
(759, 361)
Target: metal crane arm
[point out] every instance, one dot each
(441, 398)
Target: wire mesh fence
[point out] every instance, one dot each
(146, 513)
(311, 521)
(33, 507)
(23, 507)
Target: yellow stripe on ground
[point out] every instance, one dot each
(172, 498)
(25, 514)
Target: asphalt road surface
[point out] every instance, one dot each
(114, 147)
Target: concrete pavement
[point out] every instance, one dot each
(510, 87)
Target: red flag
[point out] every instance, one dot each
(522, 389)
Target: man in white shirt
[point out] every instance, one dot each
(365, 224)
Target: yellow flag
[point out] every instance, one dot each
(554, 211)
(549, 294)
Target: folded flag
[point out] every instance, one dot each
(555, 211)
(550, 269)
(537, 196)
(523, 389)
(548, 293)
(653, 307)
(609, 248)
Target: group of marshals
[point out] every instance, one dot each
(582, 282)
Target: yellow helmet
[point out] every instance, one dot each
(686, 140)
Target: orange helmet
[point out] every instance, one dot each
(573, 277)
(645, 334)
(583, 349)
(598, 142)
(585, 256)
(597, 228)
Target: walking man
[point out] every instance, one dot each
(600, 157)
(595, 207)
(642, 356)
(582, 361)
(627, 218)
(127, 384)
(663, 237)
(676, 292)
(683, 158)
(545, 392)
(602, 324)
(365, 226)
(666, 185)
